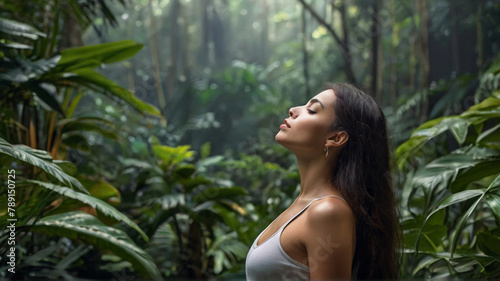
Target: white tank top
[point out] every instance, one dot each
(268, 261)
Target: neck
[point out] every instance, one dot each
(315, 178)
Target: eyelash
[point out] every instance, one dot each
(311, 112)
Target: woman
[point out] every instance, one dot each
(343, 224)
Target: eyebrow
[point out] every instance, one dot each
(318, 101)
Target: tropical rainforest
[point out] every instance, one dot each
(137, 136)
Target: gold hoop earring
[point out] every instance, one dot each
(326, 151)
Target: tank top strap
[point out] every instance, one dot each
(307, 206)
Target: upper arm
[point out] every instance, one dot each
(330, 240)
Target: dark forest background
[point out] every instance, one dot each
(141, 132)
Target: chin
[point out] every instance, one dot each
(281, 139)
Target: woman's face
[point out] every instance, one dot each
(307, 127)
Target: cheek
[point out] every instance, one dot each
(314, 127)
(312, 133)
(306, 134)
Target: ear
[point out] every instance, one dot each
(337, 139)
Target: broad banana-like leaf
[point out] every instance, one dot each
(87, 228)
(92, 78)
(98, 204)
(40, 159)
(98, 54)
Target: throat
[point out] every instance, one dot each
(315, 182)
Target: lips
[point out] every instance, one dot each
(285, 124)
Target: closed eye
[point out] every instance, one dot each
(311, 112)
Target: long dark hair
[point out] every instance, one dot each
(362, 175)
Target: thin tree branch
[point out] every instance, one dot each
(343, 43)
(322, 22)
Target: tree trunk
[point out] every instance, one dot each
(264, 53)
(479, 32)
(423, 54)
(72, 32)
(454, 42)
(343, 43)
(203, 58)
(411, 64)
(172, 62)
(131, 67)
(218, 36)
(153, 43)
(185, 39)
(377, 67)
(304, 54)
(394, 43)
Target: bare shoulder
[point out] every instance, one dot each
(330, 239)
(328, 210)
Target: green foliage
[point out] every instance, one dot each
(41, 84)
(99, 205)
(40, 159)
(204, 186)
(450, 204)
(192, 219)
(88, 229)
(57, 224)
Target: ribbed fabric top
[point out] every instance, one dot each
(268, 261)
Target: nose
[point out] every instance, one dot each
(294, 111)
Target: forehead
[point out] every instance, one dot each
(327, 97)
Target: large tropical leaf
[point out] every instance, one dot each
(95, 55)
(47, 93)
(486, 162)
(19, 29)
(494, 203)
(465, 216)
(96, 203)
(87, 228)
(457, 125)
(91, 78)
(430, 240)
(40, 159)
(441, 170)
(489, 242)
(89, 124)
(448, 201)
(453, 199)
(22, 70)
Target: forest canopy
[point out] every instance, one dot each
(137, 136)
